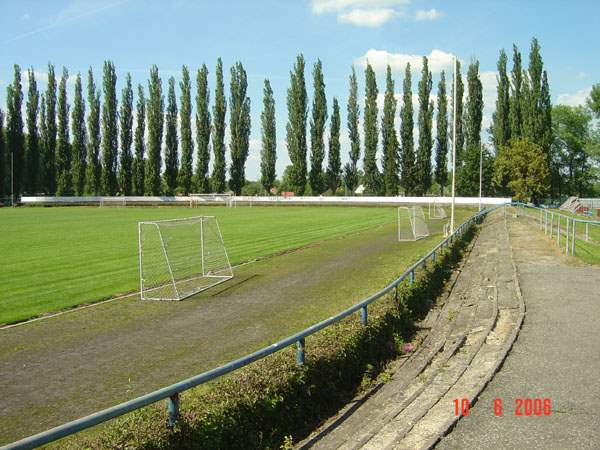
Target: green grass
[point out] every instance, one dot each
(56, 258)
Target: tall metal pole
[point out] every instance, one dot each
(453, 147)
(480, 173)
(12, 180)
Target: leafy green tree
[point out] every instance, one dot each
(467, 180)
(187, 143)
(14, 131)
(372, 178)
(171, 143)
(64, 177)
(79, 150)
(407, 160)
(50, 127)
(94, 168)
(474, 107)
(218, 133)
(296, 126)
(334, 163)
(317, 130)
(441, 153)
(460, 135)
(239, 111)
(423, 163)
(155, 111)
(3, 170)
(524, 164)
(32, 141)
(139, 143)
(546, 132)
(202, 130)
(351, 168)
(389, 139)
(593, 101)
(516, 117)
(501, 117)
(110, 142)
(268, 154)
(126, 138)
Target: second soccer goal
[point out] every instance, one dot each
(411, 223)
(181, 257)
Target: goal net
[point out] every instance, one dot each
(181, 257)
(411, 223)
(436, 211)
(118, 202)
(197, 200)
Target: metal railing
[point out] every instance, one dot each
(565, 229)
(171, 393)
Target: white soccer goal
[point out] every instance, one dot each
(197, 200)
(411, 223)
(181, 257)
(436, 211)
(447, 229)
(118, 202)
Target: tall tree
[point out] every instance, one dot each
(202, 130)
(317, 130)
(372, 177)
(547, 133)
(94, 168)
(389, 140)
(593, 101)
(441, 149)
(474, 106)
(79, 150)
(64, 177)
(218, 132)
(516, 119)
(334, 163)
(458, 96)
(126, 137)
(407, 160)
(353, 116)
(171, 156)
(425, 121)
(154, 111)
(296, 126)
(268, 154)
(50, 141)
(239, 110)
(139, 143)
(535, 71)
(187, 144)
(32, 147)
(110, 142)
(14, 131)
(2, 157)
(501, 117)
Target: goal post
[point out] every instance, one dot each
(411, 223)
(118, 202)
(181, 257)
(197, 200)
(436, 211)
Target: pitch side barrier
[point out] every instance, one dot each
(565, 229)
(171, 393)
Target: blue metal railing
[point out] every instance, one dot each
(171, 393)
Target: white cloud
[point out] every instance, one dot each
(335, 6)
(372, 18)
(576, 99)
(379, 59)
(430, 14)
(26, 16)
(582, 75)
(489, 85)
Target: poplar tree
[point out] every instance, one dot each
(2, 156)
(516, 125)
(139, 143)
(423, 163)
(372, 177)
(32, 144)
(110, 142)
(171, 143)
(474, 106)
(296, 126)
(50, 126)
(155, 111)
(14, 131)
(441, 153)
(353, 117)
(218, 133)
(389, 140)
(126, 137)
(501, 117)
(79, 150)
(460, 137)
(42, 143)
(407, 160)
(64, 177)
(94, 168)
(268, 154)
(317, 130)
(334, 163)
(202, 130)
(187, 144)
(239, 111)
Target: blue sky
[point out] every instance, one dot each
(266, 35)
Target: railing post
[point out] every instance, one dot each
(573, 237)
(433, 257)
(551, 224)
(411, 277)
(567, 237)
(364, 316)
(558, 230)
(587, 236)
(173, 407)
(300, 352)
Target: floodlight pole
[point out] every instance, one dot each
(480, 173)
(453, 147)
